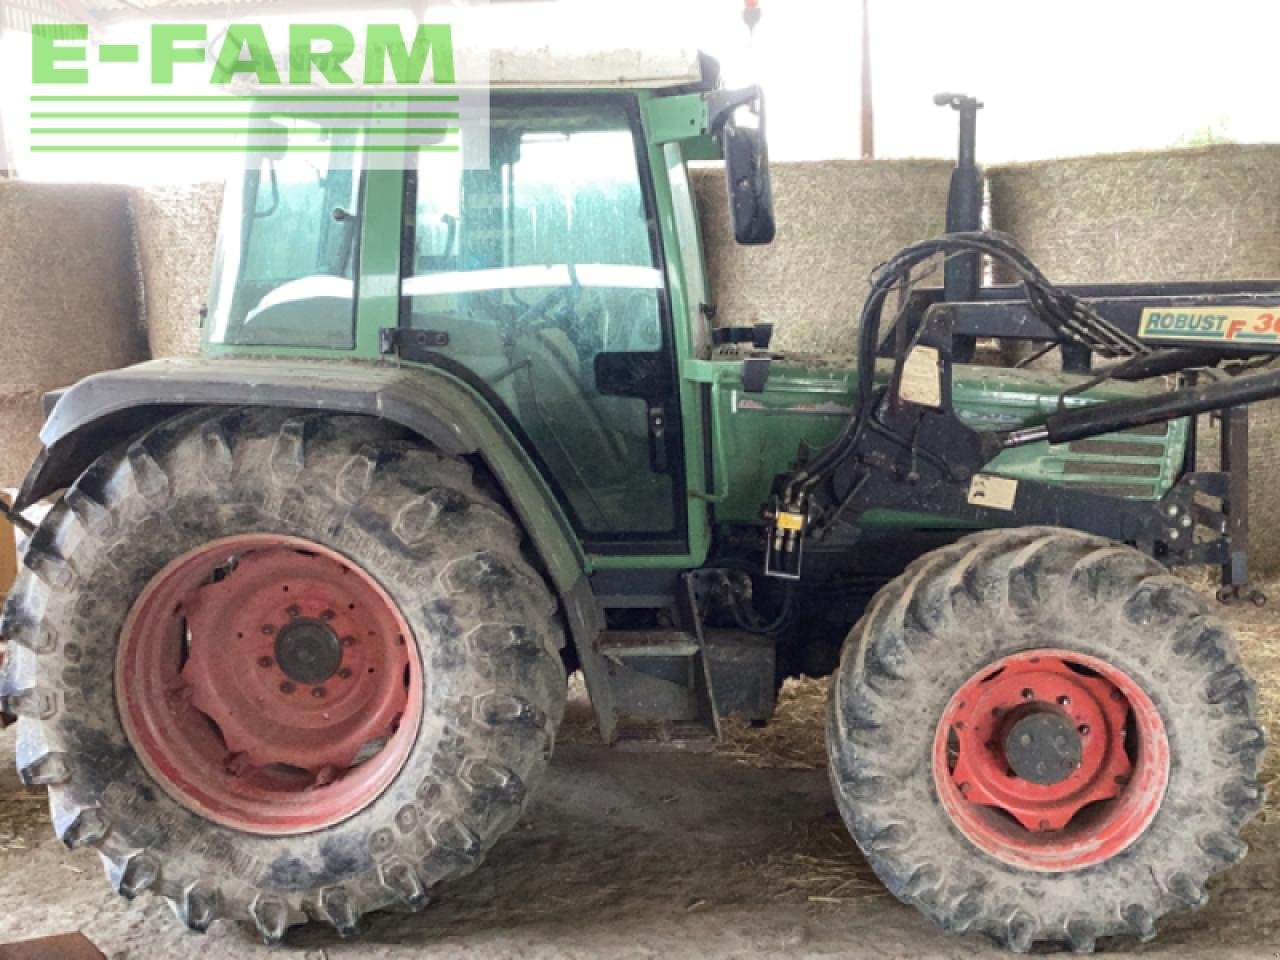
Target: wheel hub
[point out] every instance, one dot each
(1043, 748)
(266, 682)
(308, 651)
(1051, 760)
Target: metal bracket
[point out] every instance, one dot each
(755, 374)
(391, 340)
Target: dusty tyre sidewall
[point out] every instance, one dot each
(483, 623)
(964, 608)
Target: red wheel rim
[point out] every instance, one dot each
(1051, 760)
(269, 683)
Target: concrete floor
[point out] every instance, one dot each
(623, 855)
(627, 855)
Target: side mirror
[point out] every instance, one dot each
(746, 168)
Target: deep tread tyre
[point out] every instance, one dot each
(486, 628)
(962, 608)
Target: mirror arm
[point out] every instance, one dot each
(722, 103)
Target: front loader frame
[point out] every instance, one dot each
(914, 453)
(1003, 313)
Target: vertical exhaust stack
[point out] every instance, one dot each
(962, 278)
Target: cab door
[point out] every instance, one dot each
(540, 281)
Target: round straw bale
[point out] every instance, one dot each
(837, 221)
(20, 422)
(1209, 213)
(68, 305)
(176, 228)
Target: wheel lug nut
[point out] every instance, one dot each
(294, 611)
(265, 662)
(1083, 729)
(317, 692)
(1028, 694)
(268, 629)
(348, 641)
(328, 615)
(345, 673)
(1064, 701)
(287, 687)
(964, 788)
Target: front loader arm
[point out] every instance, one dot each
(911, 451)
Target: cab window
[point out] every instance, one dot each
(285, 269)
(533, 270)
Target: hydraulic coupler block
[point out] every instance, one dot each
(786, 541)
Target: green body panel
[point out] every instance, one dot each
(734, 443)
(808, 400)
(667, 119)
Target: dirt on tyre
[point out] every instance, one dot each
(279, 666)
(1043, 737)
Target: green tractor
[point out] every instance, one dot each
(292, 643)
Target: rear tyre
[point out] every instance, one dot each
(277, 667)
(1044, 737)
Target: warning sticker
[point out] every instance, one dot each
(1235, 324)
(998, 493)
(921, 378)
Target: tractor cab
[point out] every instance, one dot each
(549, 282)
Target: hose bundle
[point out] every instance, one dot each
(1068, 316)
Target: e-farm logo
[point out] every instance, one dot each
(246, 88)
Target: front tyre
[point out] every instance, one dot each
(1042, 736)
(277, 666)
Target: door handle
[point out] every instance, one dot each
(659, 461)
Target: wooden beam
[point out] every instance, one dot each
(868, 110)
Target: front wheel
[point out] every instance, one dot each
(278, 666)
(1044, 737)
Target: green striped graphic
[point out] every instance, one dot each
(245, 148)
(249, 131)
(39, 115)
(261, 98)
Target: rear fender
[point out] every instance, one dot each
(107, 409)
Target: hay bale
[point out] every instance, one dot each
(67, 295)
(68, 306)
(176, 228)
(20, 422)
(1210, 213)
(837, 221)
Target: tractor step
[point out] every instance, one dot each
(664, 736)
(624, 644)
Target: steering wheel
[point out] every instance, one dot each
(539, 308)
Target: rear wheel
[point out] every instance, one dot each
(279, 666)
(1042, 736)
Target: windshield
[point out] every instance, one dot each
(285, 269)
